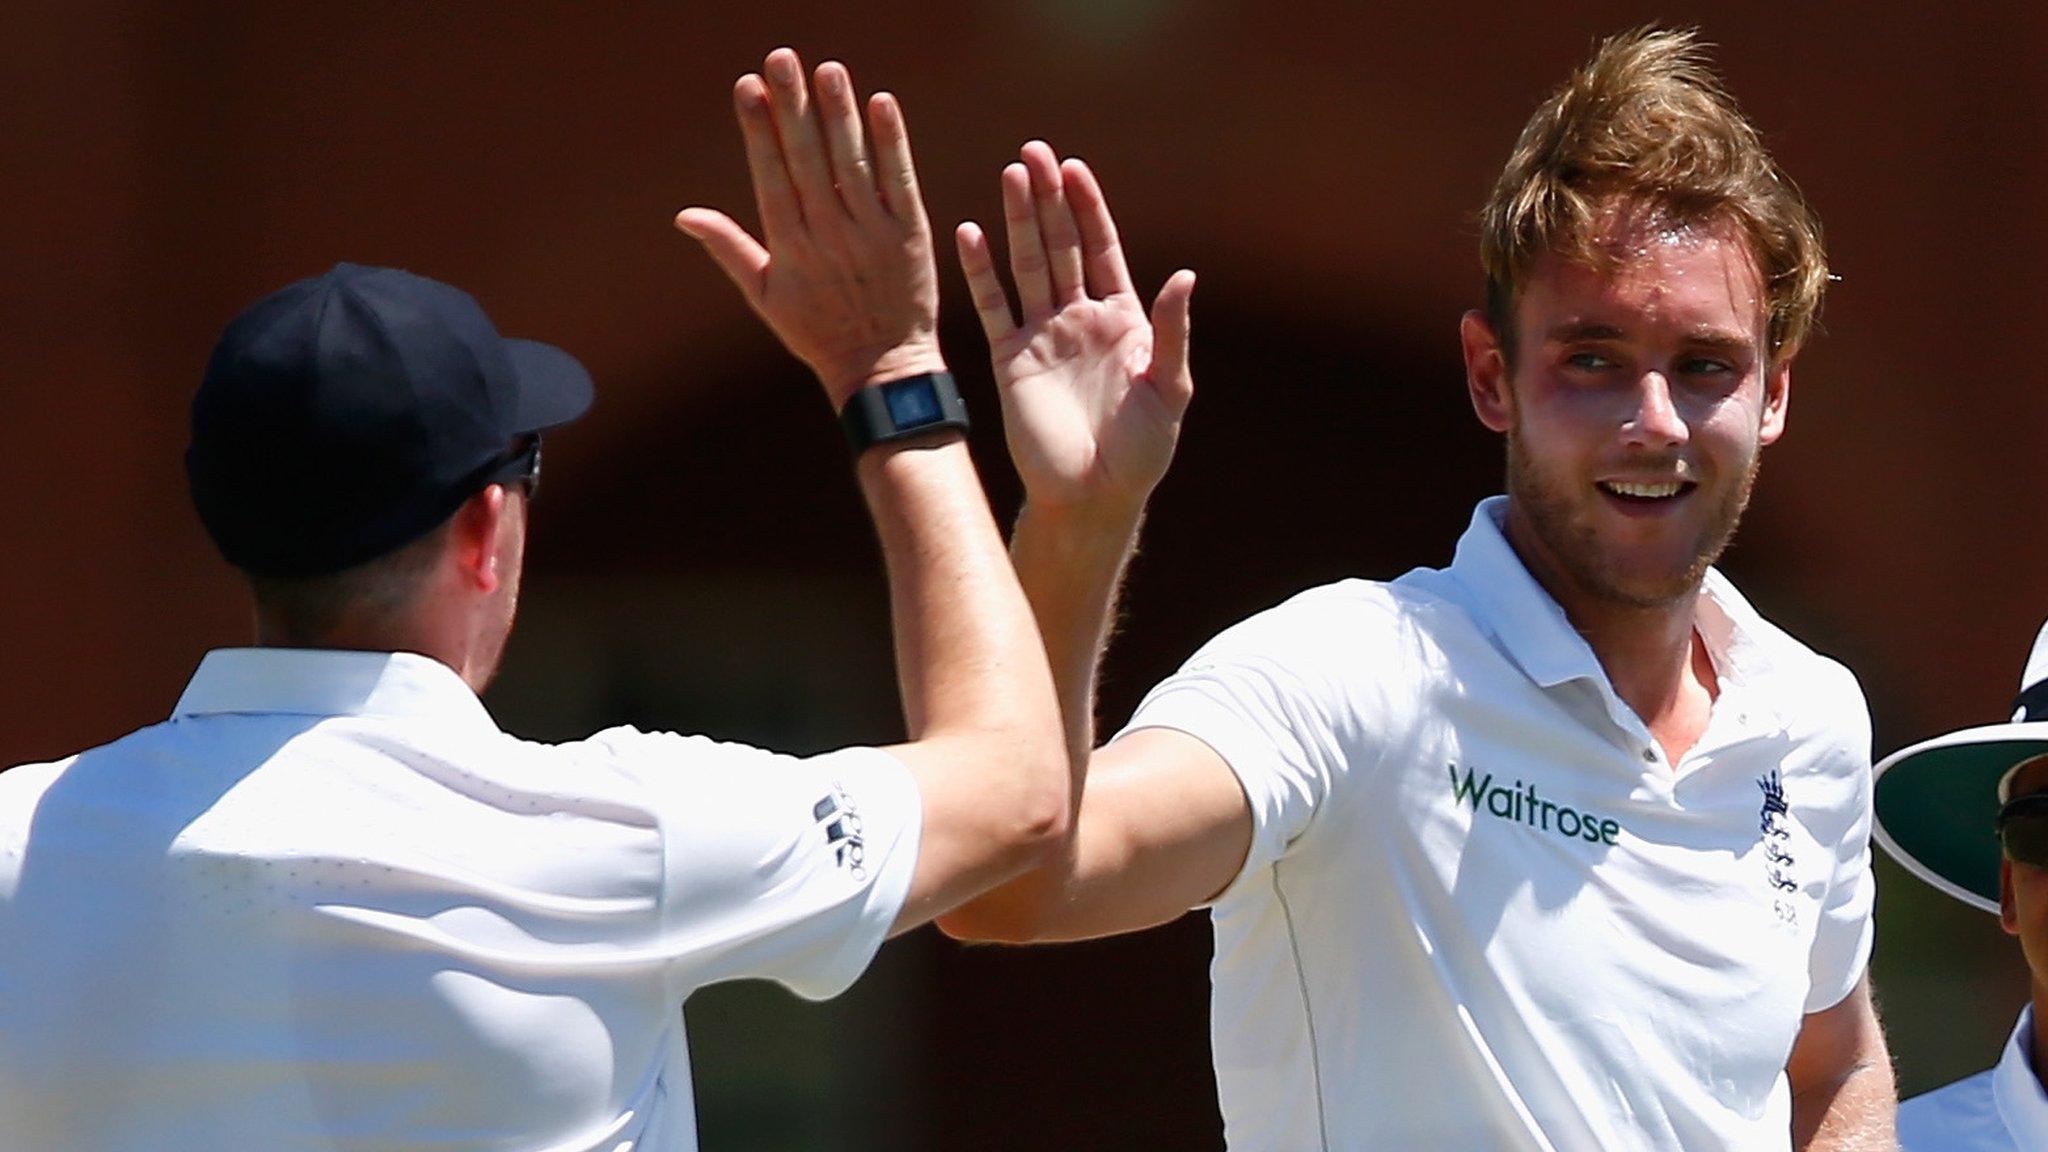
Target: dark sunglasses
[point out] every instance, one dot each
(2023, 829)
(520, 465)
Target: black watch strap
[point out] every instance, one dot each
(901, 409)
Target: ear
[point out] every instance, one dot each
(1486, 372)
(1777, 397)
(477, 525)
(2008, 906)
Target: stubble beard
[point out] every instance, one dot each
(1573, 544)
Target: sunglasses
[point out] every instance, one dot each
(2023, 829)
(520, 465)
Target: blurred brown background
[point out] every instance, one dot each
(701, 561)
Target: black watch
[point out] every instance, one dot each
(901, 409)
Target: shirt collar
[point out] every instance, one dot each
(329, 682)
(1508, 602)
(2022, 1102)
(1535, 633)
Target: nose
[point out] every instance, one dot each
(1655, 422)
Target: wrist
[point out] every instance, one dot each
(850, 374)
(921, 409)
(1097, 528)
(1100, 515)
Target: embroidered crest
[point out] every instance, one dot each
(1777, 840)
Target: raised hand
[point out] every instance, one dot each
(845, 279)
(1093, 389)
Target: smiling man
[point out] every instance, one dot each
(1562, 846)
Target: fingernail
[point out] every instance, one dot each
(831, 81)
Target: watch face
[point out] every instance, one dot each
(912, 403)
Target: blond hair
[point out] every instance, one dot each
(1646, 125)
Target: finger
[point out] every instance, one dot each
(796, 128)
(839, 113)
(737, 254)
(991, 303)
(1055, 222)
(895, 172)
(1027, 250)
(1101, 251)
(1169, 372)
(774, 195)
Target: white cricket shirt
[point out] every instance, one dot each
(2002, 1109)
(330, 905)
(1480, 910)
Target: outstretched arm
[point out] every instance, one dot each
(845, 279)
(1093, 393)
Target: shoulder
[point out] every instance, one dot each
(1814, 687)
(705, 768)
(1349, 658)
(22, 789)
(1342, 621)
(1958, 1117)
(114, 768)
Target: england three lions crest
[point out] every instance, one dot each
(1776, 836)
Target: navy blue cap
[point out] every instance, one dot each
(351, 413)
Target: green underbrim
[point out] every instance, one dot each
(1937, 806)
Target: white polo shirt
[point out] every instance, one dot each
(2002, 1109)
(330, 905)
(1481, 911)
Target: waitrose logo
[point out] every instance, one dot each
(1522, 805)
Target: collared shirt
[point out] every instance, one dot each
(2002, 1109)
(330, 905)
(1481, 909)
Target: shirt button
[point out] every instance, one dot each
(1650, 754)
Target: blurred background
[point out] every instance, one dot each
(700, 560)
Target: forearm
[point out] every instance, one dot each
(984, 743)
(1858, 1113)
(1843, 1097)
(1071, 565)
(967, 654)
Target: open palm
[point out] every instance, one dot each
(1093, 388)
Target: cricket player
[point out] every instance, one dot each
(328, 904)
(1968, 813)
(1560, 846)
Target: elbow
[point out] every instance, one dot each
(995, 920)
(1031, 809)
(1045, 819)
(1037, 840)
(1046, 825)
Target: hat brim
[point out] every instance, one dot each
(554, 388)
(1936, 805)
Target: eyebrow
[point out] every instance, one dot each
(1710, 339)
(1582, 330)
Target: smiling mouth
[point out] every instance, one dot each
(1646, 492)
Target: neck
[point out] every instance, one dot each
(1651, 653)
(2038, 1042)
(449, 649)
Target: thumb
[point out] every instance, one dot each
(1169, 372)
(737, 254)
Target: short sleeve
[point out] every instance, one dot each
(785, 868)
(1268, 697)
(1846, 930)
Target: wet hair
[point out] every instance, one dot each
(1645, 127)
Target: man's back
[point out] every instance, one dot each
(330, 905)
